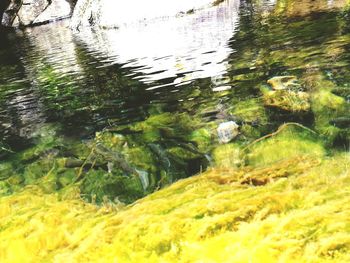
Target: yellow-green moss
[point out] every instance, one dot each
(295, 101)
(327, 106)
(251, 110)
(288, 143)
(227, 155)
(213, 217)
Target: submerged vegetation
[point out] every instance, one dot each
(294, 210)
(257, 172)
(282, 197)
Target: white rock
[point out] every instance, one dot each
(227, 131)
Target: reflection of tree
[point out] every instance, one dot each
(19, 106)
(3, 5)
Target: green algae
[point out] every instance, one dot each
(98, 186)
(288, 143)
(110, 165)
(251, 111)
(203, 139)
(292, 210)
(295, 101)
(227, 155)
(164, 125)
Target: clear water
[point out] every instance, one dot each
(82, 82)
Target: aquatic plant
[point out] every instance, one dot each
(294, 101)
(327, 107)
(227, 155)
(289, 141)
(250, 111)
(299, 214)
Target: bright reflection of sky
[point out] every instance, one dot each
(182, 48)
(117, 12)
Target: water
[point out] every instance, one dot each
(201, 66)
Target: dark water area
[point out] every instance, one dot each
(154, 88)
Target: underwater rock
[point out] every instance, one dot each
(37, 170)
(184, 153)
(187, 160)
(48, 183)
(161, 154)
(140, 157)
(227, 131)
(66, 177)
(110, 140)
(286, 94)
(135, 156)
(5, 188)
(73, 163)
(283, 82)
(250, 132)
(294, 101)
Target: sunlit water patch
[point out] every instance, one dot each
(177, 49)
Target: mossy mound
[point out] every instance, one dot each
(327, 107)
(289, 141)
(300, 214)
(294, 101)
(251, 110)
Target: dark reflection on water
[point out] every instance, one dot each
(89, 80)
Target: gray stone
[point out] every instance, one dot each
(10, 13)
(33, 12)
(3, 5)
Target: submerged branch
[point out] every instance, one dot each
(281, 128)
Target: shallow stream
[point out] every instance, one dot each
(92, 107)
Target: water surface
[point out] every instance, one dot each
(201, 65)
